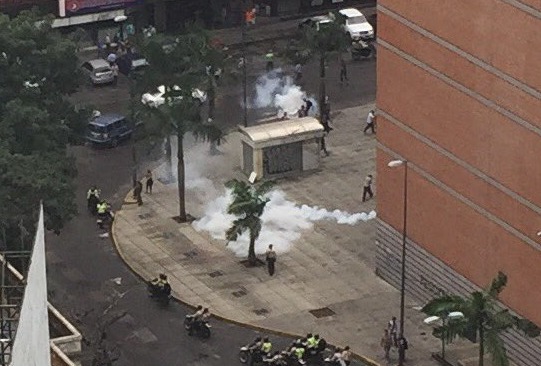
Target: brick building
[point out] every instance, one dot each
(459, 98)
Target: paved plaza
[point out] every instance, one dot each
(330, 267)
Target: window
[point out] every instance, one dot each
(360, 19)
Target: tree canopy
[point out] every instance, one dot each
(37, 122)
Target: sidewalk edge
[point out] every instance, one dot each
(277, 332)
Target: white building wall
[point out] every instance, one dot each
(31, 346)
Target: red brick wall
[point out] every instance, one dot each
(442, 103)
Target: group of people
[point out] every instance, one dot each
(391, 339)
(299, 350)
(99, 207)
(200, 317)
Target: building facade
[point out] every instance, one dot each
(459, 98)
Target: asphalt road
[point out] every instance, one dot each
(82, 266)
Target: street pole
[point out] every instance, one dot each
(134, 124)
(402, 351)
(244, 77)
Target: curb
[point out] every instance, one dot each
(276, 332)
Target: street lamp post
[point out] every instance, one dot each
(444, 318)
(401, 348)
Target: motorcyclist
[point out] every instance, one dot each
(92, 199)
(266, 346)
(160, 285)
(299, 351)
(200, 318)
(336, 358)
(346, 356)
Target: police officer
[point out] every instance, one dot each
(266, 347)
(299, 351)
(92, 199)
(270, 60)
(311, 342)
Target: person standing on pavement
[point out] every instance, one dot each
(270, 256)
(114, 68)
(137, 193)
(298, 72)
(308, 105)
(326, 115)
(367, 190)
(370, 122)
(386, 344)
(343, 71)
(149, 182)
(393, 330)
(269, 56)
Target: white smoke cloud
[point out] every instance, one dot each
(276, 90)
(283, 222)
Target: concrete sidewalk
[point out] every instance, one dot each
(330, 267)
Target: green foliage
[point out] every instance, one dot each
(248, 205)
(482, 318)
(37, 122)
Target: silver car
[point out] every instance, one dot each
(99, 71)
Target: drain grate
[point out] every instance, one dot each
(261, 311)
(216, 274)
(144, 216)
(191, 254)
(240, 293)
(322, 313)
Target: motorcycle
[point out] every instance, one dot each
(105, 221)
(201, 329)
(332, 362)
(161, 295)
(247, 353)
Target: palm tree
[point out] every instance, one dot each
(320, 43)
(180, 68)
(248, 205)
(483, 320)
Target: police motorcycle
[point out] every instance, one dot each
(105, 219)
(159, 293)
(252, 353)
(201, 328)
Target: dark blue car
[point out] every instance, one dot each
(108, 130)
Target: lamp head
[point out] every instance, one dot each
(395, 163)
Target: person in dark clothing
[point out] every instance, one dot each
(137, 192)
(343, 71)
(149, 182)
(271, 259)
(326, 115)
(367, 188)
(308, 104)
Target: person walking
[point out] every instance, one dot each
(343, 71)
(269, 56)
(367, 190)
(370, 122)
(149, 182)
(137, 193)
(393, 330)
(114, 68)
(92, 199)
(308, 105)
(270, 256)
(298, 72)
(386, 344)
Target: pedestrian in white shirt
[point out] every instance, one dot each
(370, 122)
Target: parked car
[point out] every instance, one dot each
(108, 129)
(316, 22)
(156, 99)
(98, 71)
(356, 26)
(131, 63)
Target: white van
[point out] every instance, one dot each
(357, 27)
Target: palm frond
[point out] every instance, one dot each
(444, 305)
(496, 348)
(497, 285)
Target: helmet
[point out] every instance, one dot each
(199, 307)
(346, 348)
(266, 339)
(163, 276)
(316, 336)
(258, 339)
(206, 310)
(309, 335)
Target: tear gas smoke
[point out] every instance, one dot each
(283, 222)
(276, 90)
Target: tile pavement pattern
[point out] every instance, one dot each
(331, 266)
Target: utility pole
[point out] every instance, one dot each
(244, 77)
